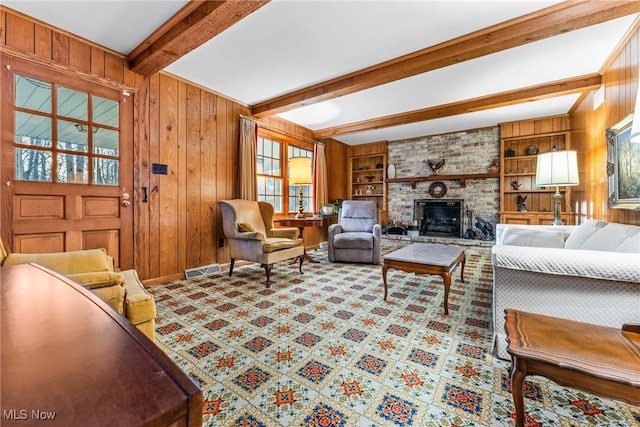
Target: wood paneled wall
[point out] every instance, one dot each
(589, 200)
(195, 133)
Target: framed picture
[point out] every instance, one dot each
(623, 167)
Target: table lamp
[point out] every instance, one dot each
(300, 174)
(557, 168)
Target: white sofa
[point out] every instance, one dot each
(589, 273)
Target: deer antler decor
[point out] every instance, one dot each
(435, 166)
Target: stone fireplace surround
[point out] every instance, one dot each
(465, 152)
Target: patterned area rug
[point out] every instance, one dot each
(324, 349)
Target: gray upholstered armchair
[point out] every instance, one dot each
(357, 236)
(248, 227)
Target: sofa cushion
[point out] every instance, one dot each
(97, 279)
(520, 236)
(610, 237)
(272, 244)
(583, 233)
(83, 261)
(354, 240)
(358, 216)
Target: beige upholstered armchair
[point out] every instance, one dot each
(357, 237)
(248, 227)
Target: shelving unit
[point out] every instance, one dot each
(367, 179)
(518, 170)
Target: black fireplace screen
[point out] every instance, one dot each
(439, 217)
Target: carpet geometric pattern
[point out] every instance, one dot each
(324, 349)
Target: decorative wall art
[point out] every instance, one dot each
(623, 166)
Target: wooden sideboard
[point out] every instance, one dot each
(70, 360)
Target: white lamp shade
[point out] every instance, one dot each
(557, 168)
(300, 171)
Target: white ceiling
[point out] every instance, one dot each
(288, 45)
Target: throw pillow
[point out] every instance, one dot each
(520, 236)
(610, 237)
(243, 227)
(583, 233)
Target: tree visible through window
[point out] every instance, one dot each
(64, 135)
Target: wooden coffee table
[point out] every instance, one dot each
(598, 359)
(426, 258)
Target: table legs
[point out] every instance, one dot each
(413, 268)
(518, 373)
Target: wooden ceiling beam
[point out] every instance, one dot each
(547, 22)
(528, 94)
(193, 25)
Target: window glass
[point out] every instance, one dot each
(105, 111)
(72, 169)
(32, 129)
(33, 165)
(72, 136)
(72, 104)
(294, 190)
(33, 94)
(106, 142)
(105, 171)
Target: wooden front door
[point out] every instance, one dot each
(66, 163)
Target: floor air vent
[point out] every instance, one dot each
(205, 270)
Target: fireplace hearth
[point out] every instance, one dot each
(443, 218)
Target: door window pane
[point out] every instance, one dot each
(32, 129)
(33, 165)
(72, 103)
(106, 142)
(105, 111)
(72, 169)
(33, 94)
(105, 171)
(72, 136)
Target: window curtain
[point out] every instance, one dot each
(247, 175)
(321, 196)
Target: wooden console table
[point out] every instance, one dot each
(301, 224)
(70, 360)
(598, 359)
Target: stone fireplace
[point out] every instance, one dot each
(438, 217)
(465, 152)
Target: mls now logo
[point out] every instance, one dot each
(23, 414)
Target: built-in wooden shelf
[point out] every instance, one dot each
(462, 178)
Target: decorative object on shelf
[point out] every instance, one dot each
(557, 168)
(435, 166)
(486, 228)
(532, 150)
(327, 210)
(358, 180)
(515, 185)
(370, 189)
(437, 189)
(379, 165)
(391, 171)
(469, 234)
(369, 178)
(522, 206)
(510, 153)
(300, 173)
(495, 165)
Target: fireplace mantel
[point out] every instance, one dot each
(461, 177)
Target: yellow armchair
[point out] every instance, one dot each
(252, 236)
